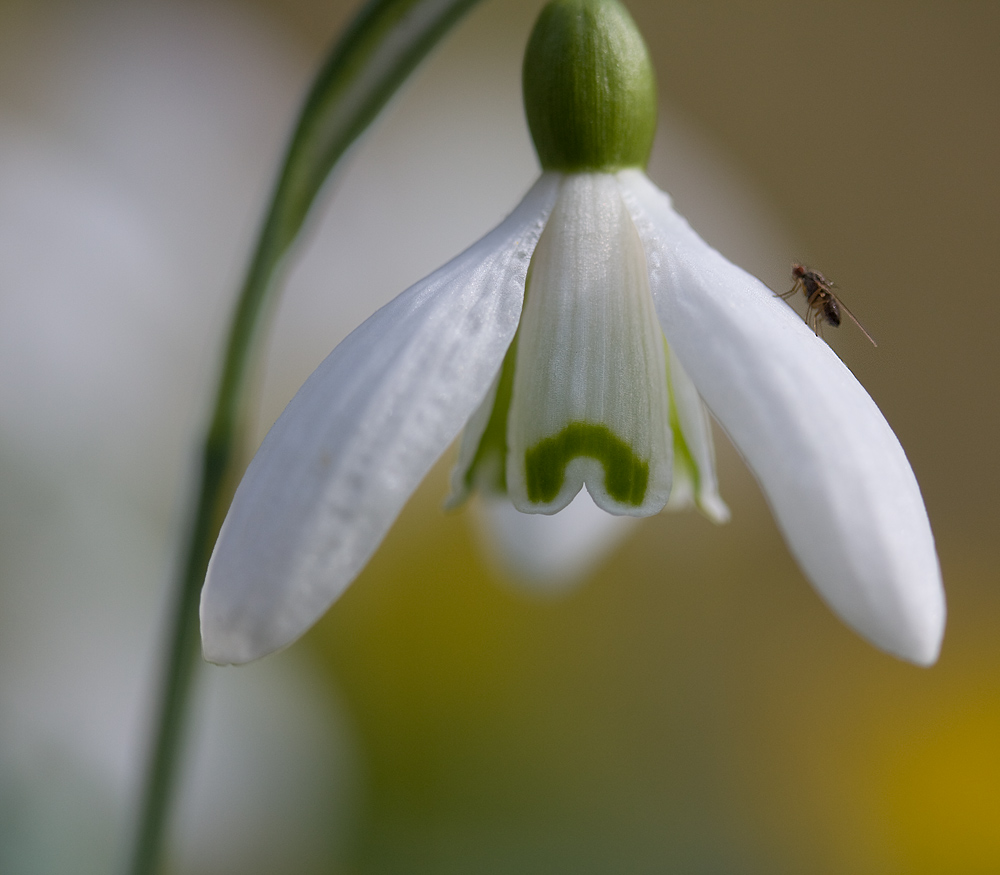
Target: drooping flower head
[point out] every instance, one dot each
(578, 344)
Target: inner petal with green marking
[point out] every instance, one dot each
(625, 475)
(589, 404)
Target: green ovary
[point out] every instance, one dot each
(626, 476)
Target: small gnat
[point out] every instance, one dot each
(823, 304)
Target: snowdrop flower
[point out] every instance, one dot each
(578, 344)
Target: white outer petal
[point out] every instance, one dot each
(339, 464)
(833, 471)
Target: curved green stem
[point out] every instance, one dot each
(376, 54)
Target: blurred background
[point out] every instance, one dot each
(691, 705)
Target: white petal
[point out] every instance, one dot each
(358, 437)
(833, 471)
(590, 365)
(696, 429)
(550, 553)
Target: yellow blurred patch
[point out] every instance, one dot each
(943, 791)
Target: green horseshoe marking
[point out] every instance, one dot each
(626, 476)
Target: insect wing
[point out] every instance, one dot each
(854, 319)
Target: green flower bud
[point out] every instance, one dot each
(589, 90)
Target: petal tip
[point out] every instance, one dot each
(233, 647)
(229, 636)
(923, 654)
(714, 508)
(222, 648)
(916, 636)
(925, 646)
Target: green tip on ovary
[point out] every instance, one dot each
(589, 90)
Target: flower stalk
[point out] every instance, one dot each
(375, 55)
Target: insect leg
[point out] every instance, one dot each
(791, 291)
(812, 320)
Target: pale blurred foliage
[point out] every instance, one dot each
(692, 706)
(137, 143)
